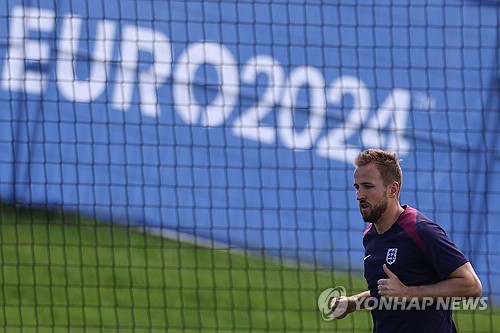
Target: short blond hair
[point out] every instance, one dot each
(387, 164)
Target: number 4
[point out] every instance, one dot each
(391, 116)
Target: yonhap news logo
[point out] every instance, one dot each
(335, 298)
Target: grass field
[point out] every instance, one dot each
(61, 273)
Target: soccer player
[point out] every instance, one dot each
(408, 257)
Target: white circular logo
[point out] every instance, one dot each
(325, 303)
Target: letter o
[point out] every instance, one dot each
(225, 65)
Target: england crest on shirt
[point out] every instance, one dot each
(391, 255)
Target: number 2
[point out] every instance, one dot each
(248, 124)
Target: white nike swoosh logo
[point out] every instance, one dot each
(368, 256)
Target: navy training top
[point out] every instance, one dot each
(419, 252)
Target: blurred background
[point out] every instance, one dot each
(187, 165)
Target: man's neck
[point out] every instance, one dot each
(389, 217)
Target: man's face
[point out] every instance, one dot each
(370, 192)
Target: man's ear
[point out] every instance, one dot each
(394, 189)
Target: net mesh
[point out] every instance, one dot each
(187, 166)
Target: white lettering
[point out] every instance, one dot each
(23, 50)
(385, 303)
(443, 303)
(335, 144)
(136, 39)
(248, 124)
(484, 303)
(304, 139)
(224, 63)
(300, 119)
(408, 304)
(426, 302)
(414, 303)
(456, 303)
(361, 302)
(470, 303)
(371, 303)
(388, 125)
(83, 90)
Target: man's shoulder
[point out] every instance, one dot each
(411, 222)
(422, 229)
(427, 227)
(414, 220)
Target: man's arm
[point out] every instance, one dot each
(462, 282)
(361, 297)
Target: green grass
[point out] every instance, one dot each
(61, 273)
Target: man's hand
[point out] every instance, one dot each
(342, 306)
(392, 286)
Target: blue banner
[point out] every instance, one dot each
(238, 122)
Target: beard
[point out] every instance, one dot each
(374, 214)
